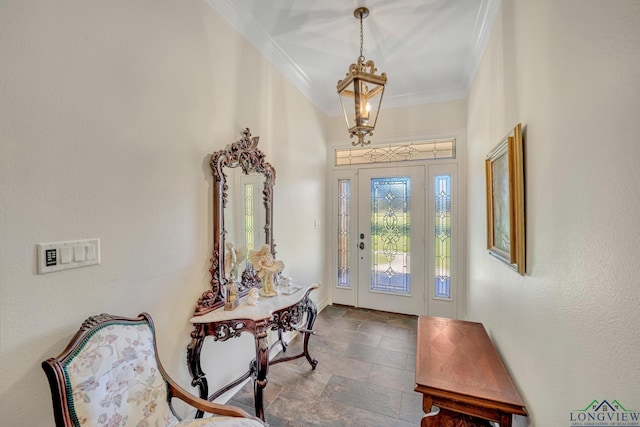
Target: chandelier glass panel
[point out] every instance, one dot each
(361, 93)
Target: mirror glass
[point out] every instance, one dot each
(242, 215)
(245, 213)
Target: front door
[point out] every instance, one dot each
(396, 239)
(390, 239)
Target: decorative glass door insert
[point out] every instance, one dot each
(344, 242)
(390, 230)
(391, 224)
(442, 216)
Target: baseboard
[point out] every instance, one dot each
(322, 304)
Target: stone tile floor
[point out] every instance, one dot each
(364, 378)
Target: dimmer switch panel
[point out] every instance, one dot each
(66, 255)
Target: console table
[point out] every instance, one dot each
(282, 313)
(459, 371)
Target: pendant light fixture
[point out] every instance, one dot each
(361, 92)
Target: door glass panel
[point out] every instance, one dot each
(344, 202)
(390, 230)
(443, 236)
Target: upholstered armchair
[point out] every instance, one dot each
(110, 374)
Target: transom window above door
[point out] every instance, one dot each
(438, 149)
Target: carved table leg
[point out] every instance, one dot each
(446, 418)
(312, 313)
(289, 319)
(262, 366)
(505, 420)
(193, 362)
(281, 341)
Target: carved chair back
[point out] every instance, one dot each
(110, 374)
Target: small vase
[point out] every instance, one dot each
(231, 297)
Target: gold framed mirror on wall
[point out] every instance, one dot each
(242, 220)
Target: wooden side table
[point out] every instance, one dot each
(282, 313)
(459, 371)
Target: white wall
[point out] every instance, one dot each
(108, 113)
(568, 331)
(403, 124)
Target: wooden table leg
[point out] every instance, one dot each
(505, 420)
(312, 313)
(262, 367)
(193, 362)
(447, 418)
(427, 407)
(287, 320)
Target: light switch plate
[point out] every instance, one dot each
(67, 255)
(64, 255)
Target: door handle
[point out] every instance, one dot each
(361, 245)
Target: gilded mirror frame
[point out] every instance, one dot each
(242, 154)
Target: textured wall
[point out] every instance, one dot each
(442, 119)
(108, 113)
(568, 331)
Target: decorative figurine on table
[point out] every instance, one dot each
(267, 268)
(254, 295)
(232, 259)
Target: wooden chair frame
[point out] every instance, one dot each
(53, 367)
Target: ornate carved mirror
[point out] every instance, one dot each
(240, 173)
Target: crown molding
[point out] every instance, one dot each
(242, 21)
(238, 18)
(484, 24)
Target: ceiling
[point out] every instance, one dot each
(429, 49)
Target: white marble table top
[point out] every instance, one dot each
(265, 308)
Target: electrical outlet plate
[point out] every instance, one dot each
(67, 255)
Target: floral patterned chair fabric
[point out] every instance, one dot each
(110, 375)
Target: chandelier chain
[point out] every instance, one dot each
(361, 38)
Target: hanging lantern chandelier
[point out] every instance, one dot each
(361, 92)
